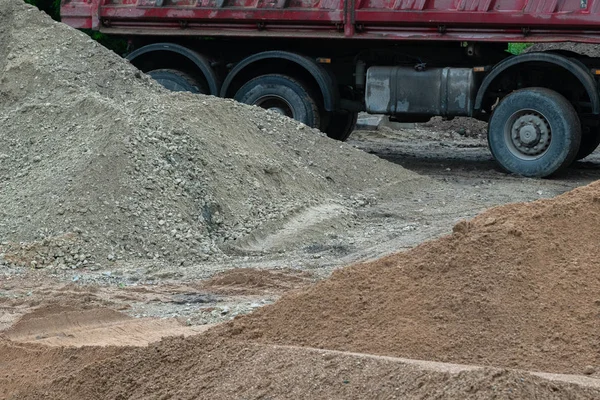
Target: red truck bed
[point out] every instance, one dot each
(453, 20)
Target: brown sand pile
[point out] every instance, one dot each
(98, 163)
(66, 326)
(518, 286)
(207, 367)
(25, 366)
(245, 281)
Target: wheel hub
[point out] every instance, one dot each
(530, 134)
(276, 104)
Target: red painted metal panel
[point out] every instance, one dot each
(463, 20)
(81, 14)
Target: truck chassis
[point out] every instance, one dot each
(322, 63)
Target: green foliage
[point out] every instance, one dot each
(115, 44)
(518, 48)
(50, 7)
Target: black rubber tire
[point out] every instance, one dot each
(564, 126)
(177, 81)
(341, 125)
(295, 98)
(589, 142)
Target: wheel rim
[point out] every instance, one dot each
(527, 134)
(276, 104)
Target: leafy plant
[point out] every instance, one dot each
(518, 48)
(50, 7)
(113, 43)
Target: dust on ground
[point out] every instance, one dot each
(462, 126)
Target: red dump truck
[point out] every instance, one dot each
(323, 61)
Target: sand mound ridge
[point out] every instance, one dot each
(68, 326)
(99, 163)
(515, 287)
(211, 367)
(256, 281)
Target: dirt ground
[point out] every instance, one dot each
(120, 308)
(469, 182)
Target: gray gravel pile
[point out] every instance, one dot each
(99, 164)
(586, 49)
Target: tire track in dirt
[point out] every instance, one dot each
(69, 326)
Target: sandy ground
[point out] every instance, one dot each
(470, 183)
(137, 304)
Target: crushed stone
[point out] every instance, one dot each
(99, 165)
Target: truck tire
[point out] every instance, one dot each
(589, 142)
(281, 94)
(341, 125)
(177, 81)
(534, 132)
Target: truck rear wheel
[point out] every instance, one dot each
(589, 142)
(283, 95)
(534, 132)
(177, 81)
(341, 125)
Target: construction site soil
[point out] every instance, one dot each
(157, 245)
(100, 163)
(514, 287)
